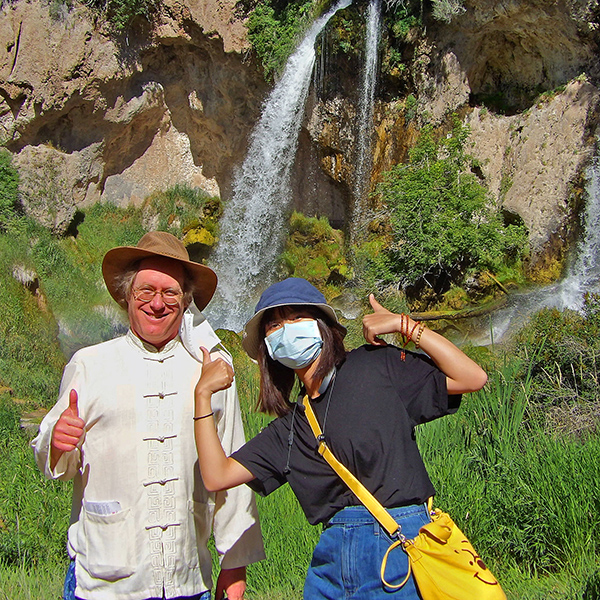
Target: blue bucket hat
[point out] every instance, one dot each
(289, 292)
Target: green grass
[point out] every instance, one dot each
(528, 498)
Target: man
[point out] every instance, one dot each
(123, 428)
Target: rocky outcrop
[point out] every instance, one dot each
(90, 118)
(93, 118)
(490, 65)
(534, 164)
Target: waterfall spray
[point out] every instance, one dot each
(253, 225)
(362, 172)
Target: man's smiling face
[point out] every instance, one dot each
(156, 322)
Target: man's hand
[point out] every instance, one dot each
(68, 431)
(233, 583)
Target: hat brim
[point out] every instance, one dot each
(118, 260)
(252, 336)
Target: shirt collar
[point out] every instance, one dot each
(142, 345)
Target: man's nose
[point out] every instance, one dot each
(157, 302)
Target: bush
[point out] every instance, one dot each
(9, 189)
(443, 220)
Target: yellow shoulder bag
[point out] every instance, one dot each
(443, 562)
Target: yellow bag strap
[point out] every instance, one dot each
(359, 490)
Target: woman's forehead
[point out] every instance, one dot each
(281, 312)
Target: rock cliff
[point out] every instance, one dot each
(92, 118)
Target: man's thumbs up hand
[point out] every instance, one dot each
(69, 428)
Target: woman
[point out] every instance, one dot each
(367, 402)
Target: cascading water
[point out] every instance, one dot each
(253, 225)
(365, 121)
(583, 276)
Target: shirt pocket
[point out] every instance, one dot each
(109, 542)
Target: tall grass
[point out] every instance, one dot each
(527, 499)
(33, 518)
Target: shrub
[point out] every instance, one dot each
(9, 189)
(443, 220)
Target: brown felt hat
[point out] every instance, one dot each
(158, 243)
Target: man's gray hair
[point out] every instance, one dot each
(124, 283)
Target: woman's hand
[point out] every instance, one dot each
(382, 321)
(216, 375)
(463, 375)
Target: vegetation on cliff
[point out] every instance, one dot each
(444, 224)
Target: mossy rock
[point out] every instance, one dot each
(199, 235)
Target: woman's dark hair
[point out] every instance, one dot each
(277, 380)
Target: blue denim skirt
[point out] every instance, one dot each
(346, 562)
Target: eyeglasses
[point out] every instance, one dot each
(169, 297)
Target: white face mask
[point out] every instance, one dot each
(295, 345)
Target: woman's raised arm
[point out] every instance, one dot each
(219, 472)
(463, 375)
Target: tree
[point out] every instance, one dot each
(443, 219)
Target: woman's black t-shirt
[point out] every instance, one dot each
(375, 401)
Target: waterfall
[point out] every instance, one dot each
(583, 275)
(253, 224)
(362, 173)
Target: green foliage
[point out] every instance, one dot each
(33, 512)
(273, 31)
(314, 251)
(447, 10)
(122, 13)
(442, 218)
(401, 17)
(347, 32)
(563, 350)
(410, 107)
(9, 189)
